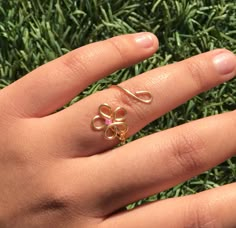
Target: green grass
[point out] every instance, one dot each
(37, 31)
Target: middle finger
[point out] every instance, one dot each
(170, 86)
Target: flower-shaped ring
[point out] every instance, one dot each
(111, 122)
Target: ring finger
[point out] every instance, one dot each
(170, 86)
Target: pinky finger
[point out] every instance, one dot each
(212, 208)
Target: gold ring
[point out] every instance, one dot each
(112, 122)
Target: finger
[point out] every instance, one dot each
(162, 160)
(54, 84)
(170, 86)
(212, 208)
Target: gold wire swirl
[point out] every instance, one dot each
(137, 94)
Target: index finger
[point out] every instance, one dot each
(52, 85)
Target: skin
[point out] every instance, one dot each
(56, 171)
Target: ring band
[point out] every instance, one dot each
(112, 122)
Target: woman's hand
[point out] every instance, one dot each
(56, 171)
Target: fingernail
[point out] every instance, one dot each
(225, 63)
(144, 40)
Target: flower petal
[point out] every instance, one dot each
(105, 111)
(98, 123)
(120, 114)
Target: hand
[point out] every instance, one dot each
(56, 171)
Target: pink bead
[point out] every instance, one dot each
(108, 121)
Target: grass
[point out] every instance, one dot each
(35, 32)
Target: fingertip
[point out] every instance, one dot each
(146, 40)
(156, 41)
(224, 62)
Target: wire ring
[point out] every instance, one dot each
(112, 122)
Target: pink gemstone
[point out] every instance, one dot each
(108, 121)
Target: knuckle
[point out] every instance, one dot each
(76, 63)
(196, 69)
(187, 149)
(119, 48)
(199, 214)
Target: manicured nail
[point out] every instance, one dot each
(225, 63)
(144, 40)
